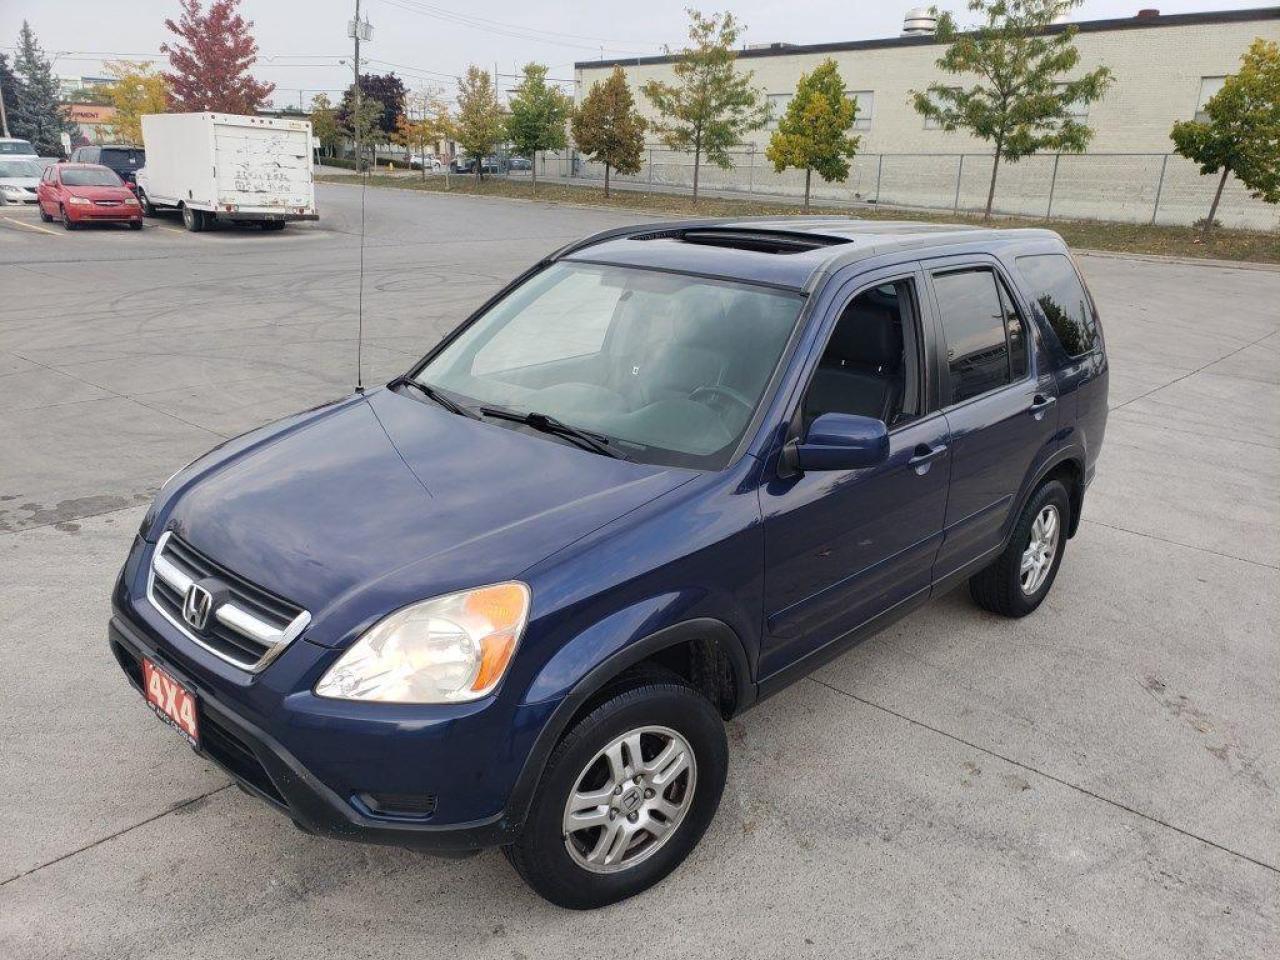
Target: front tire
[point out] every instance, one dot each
(67, 222)
(625, 796)
(1017, 583)
(148, 208)
(44, 215)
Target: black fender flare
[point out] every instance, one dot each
(591, 683)
(1072, 454)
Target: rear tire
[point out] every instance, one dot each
(272, 224)
(193, 220)
(1017, 583)
(44, 216)
(652, 811)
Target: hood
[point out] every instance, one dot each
(357, 492)
(101, 193)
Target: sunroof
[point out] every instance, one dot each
(760, 241)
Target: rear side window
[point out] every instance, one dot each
(1055, 287)
(973, 323)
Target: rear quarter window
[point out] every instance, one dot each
(1055, 288)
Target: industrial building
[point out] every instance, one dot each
(1165, 68)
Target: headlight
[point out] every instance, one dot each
(446, 650)
(130, 201)
(11, 188)
(78, 201)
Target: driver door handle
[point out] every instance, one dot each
(925, 455)
(1040, 404)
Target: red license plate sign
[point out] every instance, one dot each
(171, 701)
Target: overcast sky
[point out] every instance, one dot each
(301, 41)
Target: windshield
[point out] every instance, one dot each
(668, 367)
(101, 177)
(22, 147)
(19, 168)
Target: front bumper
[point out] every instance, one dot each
(265, 769)
(96, 214)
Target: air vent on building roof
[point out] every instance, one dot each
(1148, 12)
(919, 22)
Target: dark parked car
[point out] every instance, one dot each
(509, 598)
(468, 165)
(124, 159)
(519, 163)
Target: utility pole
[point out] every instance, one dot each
(358, 31)
(4, 116)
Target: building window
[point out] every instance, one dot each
(866, 101)
(777, 107)
(1209, 87)
(933, 123)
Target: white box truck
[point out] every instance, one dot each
(227, 167)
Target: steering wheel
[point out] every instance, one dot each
(728, 393)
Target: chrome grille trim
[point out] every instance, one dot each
(251, 629)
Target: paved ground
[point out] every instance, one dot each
(1097, 780)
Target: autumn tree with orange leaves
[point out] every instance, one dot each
(210, 60)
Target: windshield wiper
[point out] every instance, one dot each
(431, 393)
(549, 424)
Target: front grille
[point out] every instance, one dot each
(243, 623)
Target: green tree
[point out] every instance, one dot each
(538, 116)
(480, 125)
(425, 121)
(1021, 103)
(361, 126)
(136, 90)
(710, 106)
(8, 94)
(36, 114)
(814, 132)
(607, 128)
(1242, 134)
(324, 123)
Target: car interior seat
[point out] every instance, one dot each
(862, 369)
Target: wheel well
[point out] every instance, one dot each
(700, 662)
(1071, 475)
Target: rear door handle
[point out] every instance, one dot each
(1040, 404)
(924, 456)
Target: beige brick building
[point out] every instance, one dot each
(1164, 67)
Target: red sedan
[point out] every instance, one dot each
(77, 193)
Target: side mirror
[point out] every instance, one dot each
(839, 441)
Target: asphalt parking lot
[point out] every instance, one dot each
(1096, 780)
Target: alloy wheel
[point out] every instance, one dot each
(630, 799)
(1042, 548)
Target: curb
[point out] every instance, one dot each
(1187, 261)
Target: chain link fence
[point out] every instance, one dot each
(1120, 187)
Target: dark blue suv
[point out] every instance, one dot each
(508, 599)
